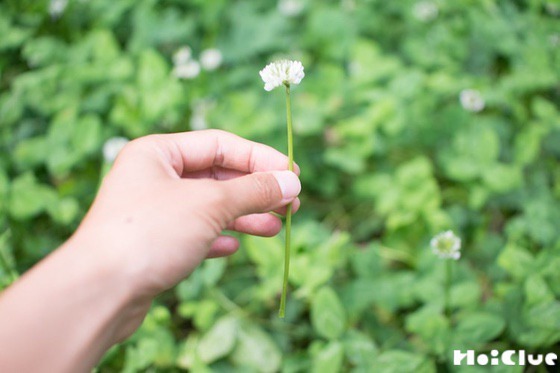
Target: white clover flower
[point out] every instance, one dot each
(471, 100)
(189, 70)
(425, 11)
(290, 8)
(182, 56)
(354, 67)
(348, 5)
(282, 72)
(211, 59)
(446, 245)
(199, 112)
(57, 7)
(113, 147)
(198, 122)
(552, 9)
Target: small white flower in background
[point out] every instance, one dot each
(471, 100)
(189, 70)
(113, 147)
(282, 72)
(446, 245)
(186, 67)
(57, 7)
(354, 67)
(211, 59)
(198, 121)
(182, 56)
(290, 8)
(199, 112)
(552, 9)
(348, 5)
(425, 11)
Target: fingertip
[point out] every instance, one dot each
(259, 192)
(289, 184)
(295, 207)
(223, 246)
(297, 170)
(269, 225)
(264, 225)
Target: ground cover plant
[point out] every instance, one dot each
(416, 117)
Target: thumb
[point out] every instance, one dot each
(261, 192)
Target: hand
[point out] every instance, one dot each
(162, 208)
(160, 211)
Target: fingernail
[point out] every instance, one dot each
(289, 184)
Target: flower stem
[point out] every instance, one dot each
(448, 276)
(282, 310)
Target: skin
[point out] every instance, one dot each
(159, 213)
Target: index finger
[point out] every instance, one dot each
(200, 150)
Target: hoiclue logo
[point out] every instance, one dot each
(508, 357)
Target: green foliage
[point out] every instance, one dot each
(327, 314)
(389, 158)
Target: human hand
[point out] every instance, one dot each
(160, 211)
(162, 208)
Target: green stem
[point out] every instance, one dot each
(448, 275)
(282, 310)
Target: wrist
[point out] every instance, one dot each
(116, 284)
(100, 301)
(85, 307)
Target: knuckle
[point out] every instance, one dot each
(132, 146)
(150, 145)
(141, 144)
(216, 133)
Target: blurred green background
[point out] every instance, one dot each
(414, 117)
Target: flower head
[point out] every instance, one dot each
(57, 7)
(348, 5)
(552, 9)
(188, 70)
(471, 100)
(282, 72)
(425, 11)
(290, 8)
(211, 59)
(182, 55)
(113, 147)
(200, 111)
(446, 245)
